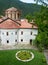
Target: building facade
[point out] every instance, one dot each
(14, 30)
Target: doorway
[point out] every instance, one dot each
(30, 41)
(7, 41)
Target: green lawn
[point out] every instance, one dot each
(7, 57)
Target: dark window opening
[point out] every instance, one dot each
(21, 40)
(18, 15)
(21, 32)
(15, 40)
(7, 33)
(31, 41)
(7, 41)
(15, 14)
(11, 14)
(15, 33)
(11, 33)
(31, 33)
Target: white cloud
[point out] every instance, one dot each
(32, 1)
(28, 1)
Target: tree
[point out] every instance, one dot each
(29, 17)
(42, 22)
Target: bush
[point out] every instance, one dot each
(43, 60)
(40, 48)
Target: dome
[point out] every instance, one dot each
(12, 9)
(12, 13)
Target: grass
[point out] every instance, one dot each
(7, 57)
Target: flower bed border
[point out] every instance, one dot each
(32, 57)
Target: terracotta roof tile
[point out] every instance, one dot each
(9, 24)
(25, 24)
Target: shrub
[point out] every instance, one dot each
(40, 48)
(43, 60)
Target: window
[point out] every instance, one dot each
(7, 41)
(15, 40)
(31, 33)
(7, 33)
(3, 33)
(15, 14)
(11, 14)
(21, 40)
(21, 32)
(15, 33)
(18, 15)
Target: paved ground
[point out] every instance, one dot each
(18, 46)
(46, 55)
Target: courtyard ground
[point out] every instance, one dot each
(17, 46)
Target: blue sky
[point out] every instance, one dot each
(31, 1)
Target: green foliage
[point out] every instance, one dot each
(24, 7)
(43, 60)
(29, 17)
(42, 22)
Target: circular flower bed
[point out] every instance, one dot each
(24, 55)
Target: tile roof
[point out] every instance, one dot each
(8, 23)
(11, 24)
(25, 24)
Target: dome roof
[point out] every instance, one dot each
(12, 9)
